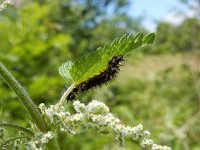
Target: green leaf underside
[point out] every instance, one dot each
(64, 70)
(96, 62)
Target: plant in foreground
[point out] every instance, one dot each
(95, 115)
(91, 71)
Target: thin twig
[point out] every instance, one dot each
(64, 96)
(17, 127)
(12, 139)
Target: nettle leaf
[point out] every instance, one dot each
(96, 62)
(149, 38)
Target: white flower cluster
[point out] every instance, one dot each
(5, 3)
(39, 140)
(95, 115)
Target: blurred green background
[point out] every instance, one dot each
(158, 86)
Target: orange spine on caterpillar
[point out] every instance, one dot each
(107, 75)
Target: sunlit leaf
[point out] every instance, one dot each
(96, 62)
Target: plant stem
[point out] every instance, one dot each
(12, 139)
(25, 100)
(64, 96)
(17, 127)
(55, 141)
(23, 97)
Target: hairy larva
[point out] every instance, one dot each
(107, 75)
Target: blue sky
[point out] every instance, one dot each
(154, 10)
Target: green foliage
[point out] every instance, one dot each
(166, 100)
(38, 36)
(160, 91)
(33, 45)
(91, 23)
(95, 62)
(169, 37)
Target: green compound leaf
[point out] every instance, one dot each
(96, 62)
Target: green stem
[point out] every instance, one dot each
(55, 141)
(64, 96)
(12, 139)
(25, 100)
(23, 97)
(17, 127)
(53, 144)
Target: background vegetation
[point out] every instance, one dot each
(158, 86)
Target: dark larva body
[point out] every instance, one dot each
(108, 74)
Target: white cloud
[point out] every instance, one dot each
(176, 17)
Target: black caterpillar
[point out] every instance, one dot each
(108, 74)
